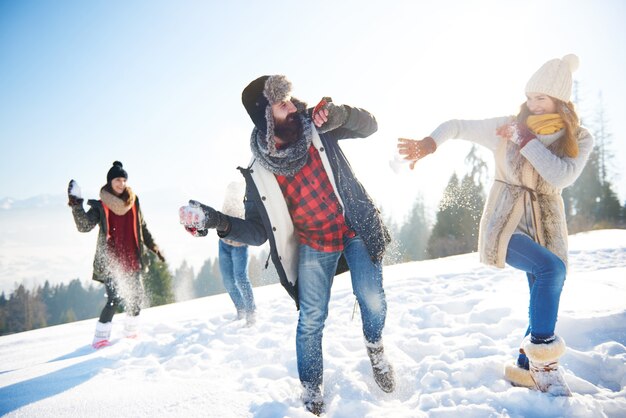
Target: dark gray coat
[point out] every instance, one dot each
(86, 221)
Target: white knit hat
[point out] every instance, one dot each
(554, 78)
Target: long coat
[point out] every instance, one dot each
(97, 215)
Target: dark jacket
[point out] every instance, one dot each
(266, 210)
(96, 215)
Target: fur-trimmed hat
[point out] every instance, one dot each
(554, 78)
(259, 95)
(116, 171)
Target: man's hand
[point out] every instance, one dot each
(414, 150)
(328, 116)
(198, 219)
(73, 194)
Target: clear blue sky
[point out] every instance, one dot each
(157, 84)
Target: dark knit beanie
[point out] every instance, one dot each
(255, 102)
(261, 93)
(116, 171)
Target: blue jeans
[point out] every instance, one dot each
(546, 276)
(234, 269)
(316, 270)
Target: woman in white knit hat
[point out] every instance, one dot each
(537, 153)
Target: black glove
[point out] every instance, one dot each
(337, 115)
(196, 232)
(198, 218)
(73, 194)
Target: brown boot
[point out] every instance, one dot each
(518, 375)
(312, 399)
(383, 371)
(544, 366)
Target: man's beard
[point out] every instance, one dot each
(289, 130)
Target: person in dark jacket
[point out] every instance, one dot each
(120, 254)
(303, 196)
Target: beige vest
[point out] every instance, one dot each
(516, 183)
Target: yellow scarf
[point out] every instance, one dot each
(545, 124)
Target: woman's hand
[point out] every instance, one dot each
(414, 150)
(517, 133)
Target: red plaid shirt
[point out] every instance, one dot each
(314, 207)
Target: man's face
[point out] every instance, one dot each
(287, 126)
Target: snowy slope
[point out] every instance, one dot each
(452, 323)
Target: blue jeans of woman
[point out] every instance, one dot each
(546, 276)
(316, 271)
(234, 268)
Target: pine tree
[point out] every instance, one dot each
(3, 314)
(394, 253)
(24, 311)
(209, 280)
(37, 310)
(585, 195)
(68, 316)
(443, 238)
(609, 211)
(158, 282)
(591, 202)
(255, 270)
(609, 206)
(413, 236)
(183, 282)
(17, 311)
(203, 279)
(460, 209)
(47, 296)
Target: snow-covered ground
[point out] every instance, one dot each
(451, 325)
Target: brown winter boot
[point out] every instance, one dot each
(517, 375)
(544, 366)
(383, 372)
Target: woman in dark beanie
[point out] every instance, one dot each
(120, 254)
(537, 153)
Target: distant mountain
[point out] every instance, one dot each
(6, 203)
(40, 201)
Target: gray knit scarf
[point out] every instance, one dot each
(284, 162)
